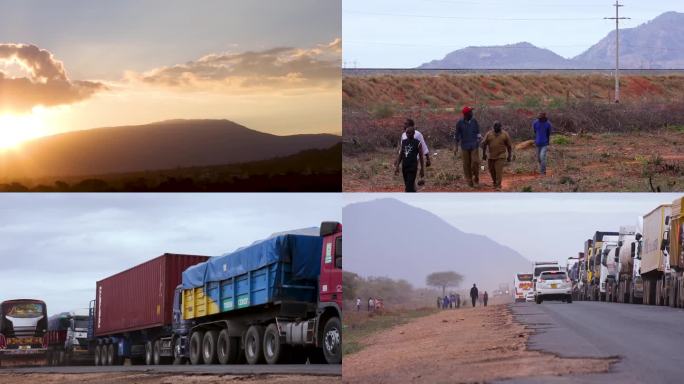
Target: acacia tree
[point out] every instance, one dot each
(443, 280)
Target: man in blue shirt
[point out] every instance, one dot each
(542, 137)
(468, 136)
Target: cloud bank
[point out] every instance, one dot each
(276, 68)
(46, 82)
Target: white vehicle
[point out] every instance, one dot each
(553, 285)
(523, 284)
(608, 265)
(542, 266)
(529, 297)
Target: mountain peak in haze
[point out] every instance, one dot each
(387, 237)
(656, 44)
(157, 146)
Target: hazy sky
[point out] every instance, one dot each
(407, 33)
(267, 64)
(55, 247)
(540, 226)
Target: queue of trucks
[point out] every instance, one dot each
(276, 300)
(642, 263)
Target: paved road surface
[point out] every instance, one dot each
(649, 340)
(299, 369)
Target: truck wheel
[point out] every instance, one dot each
(156, 352)
(209, 347)
(227, 348)
(538, 299)
(60, 357)
(103, 354)
(196, 347)
(178, 359)
(253, 343)
(149, 353)
(272, 345)
(48, 356)
(332, 341)
(110, 354)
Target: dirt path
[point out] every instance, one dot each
(458, 346)
(135, 378)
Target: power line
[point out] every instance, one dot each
(446, 17)
(617, 19)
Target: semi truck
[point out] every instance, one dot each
(673, 241)
(594, 265)
(575, 272)
(68, 339)
(608, 268)
(627, 287)
(276, 298)
(655, 265)
(23, 324)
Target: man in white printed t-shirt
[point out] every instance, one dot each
(418, 136)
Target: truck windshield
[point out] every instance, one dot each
(24, 310)
(81, 322)
(525, 277)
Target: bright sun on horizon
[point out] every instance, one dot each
(16, 129)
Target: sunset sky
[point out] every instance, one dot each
(270, 65)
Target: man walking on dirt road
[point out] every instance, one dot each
(418, 136)
(468, 136)
(358, 304)
(485, 298)
(499, 142)
(542, 137)
(410, 155)
(473, 294)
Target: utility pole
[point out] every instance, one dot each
(617, 19)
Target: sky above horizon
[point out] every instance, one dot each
(540, 226)
(266, 64)
(54, 247)
(407, 33)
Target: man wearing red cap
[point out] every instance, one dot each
(468, 136)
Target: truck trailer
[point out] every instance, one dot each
(134, 309)
(628, 287)
(655, 265)
(673, 241)
(595, 264)
(23, 325)
(275, 299)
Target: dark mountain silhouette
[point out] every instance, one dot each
(518, 56)
(389, 238)
(657, 44)
(158, 146)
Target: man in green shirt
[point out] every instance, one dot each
(498, 142)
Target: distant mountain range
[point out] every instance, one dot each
(158, 146)
(389, 238)
(657, 44)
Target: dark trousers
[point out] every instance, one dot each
(485, 303)
(471, 165)
(410, 179)
(473, 299)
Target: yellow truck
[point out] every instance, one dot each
(594, 266)
(673, 247)
(655, 265)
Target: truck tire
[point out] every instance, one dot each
(61, 357)
(253, 344)
(48, 356)
(209, 347)
(110, 354)
(273, 348)
(569, 299)
(149, 353)
(178, 359)
(156, 352)
(538, 299)
(332, 341)
(227, 348)
(196, 347)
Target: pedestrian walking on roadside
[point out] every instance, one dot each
(485, 298)
(458, 300)
(468, 137)
(499, 144)
(445, 302)
(371, 304)
(439, 302)
(473, 294)
(452, 301)
(542, 138)
(418, 136)
(358, 304)
(410, 155)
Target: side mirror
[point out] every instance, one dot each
(338, 252)
(666, 240)
(632, 250)
(638, 236)
(667, 220)
(620, 243)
